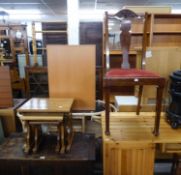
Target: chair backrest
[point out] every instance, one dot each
(125, 18)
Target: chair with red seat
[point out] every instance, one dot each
(126, 76)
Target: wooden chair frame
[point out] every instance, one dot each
(110, 83)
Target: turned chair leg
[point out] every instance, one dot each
(158, 110)
(175, 164)
(107, 116)
(139, 100)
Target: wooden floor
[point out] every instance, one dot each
(130, 148)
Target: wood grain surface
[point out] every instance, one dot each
(71, 74)
(47, 105)
(130, 149)
(6, 99)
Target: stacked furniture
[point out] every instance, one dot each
(36, 75)
(162, 40)
(14, 42)
(126, 75)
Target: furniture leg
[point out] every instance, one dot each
(158, 110)
(139, 100)
(68, 132)
(175, 164)
(28, 143)
(62, 139)
(83, 124)
(58, 137)
(37, 136)
(35, 140)
(107, 96)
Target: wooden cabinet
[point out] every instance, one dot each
(166, 30)
(131, 148)
(52, 33)
(165, 42)
(19, 44)
(5, 47)
(133, 158)
(163, 30)
(10, 121)
(6, 99)
(13, 41)
(36, 76)
(91, 33)
(37, 81)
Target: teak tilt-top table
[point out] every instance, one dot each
(53, 111)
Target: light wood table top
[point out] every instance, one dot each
(47, 105)
(128, 127)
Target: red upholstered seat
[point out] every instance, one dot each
(132, 73)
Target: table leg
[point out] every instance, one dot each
(62, 139)
(27, 144)
(107, 112)
(37, 135)
(68, 131)
(58, 138)
(158, 110)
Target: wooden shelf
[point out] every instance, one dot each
(167, 32)
(7, 60)
(167, 15)
(52, 31)
(118, 52)
(14, 40)
(132, 33)
(20, 49)
(19, 44)
(138, 33)
(166, 29)
(4, 37)
(162, 30)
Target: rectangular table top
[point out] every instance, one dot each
(47, 105)
(128, 127)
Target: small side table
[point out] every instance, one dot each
(52, 111)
